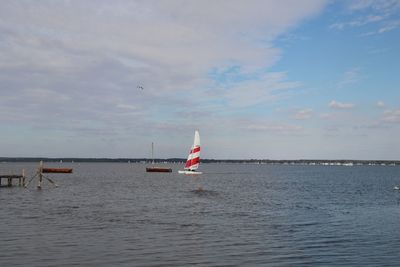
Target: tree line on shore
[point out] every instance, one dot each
(181, 160)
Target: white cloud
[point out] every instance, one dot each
(337, 105)
(88, 57)
(380, 104)
(357, 22)
(189, 37)
(392, 116)
(303, 114)
(380, 15)
(384, 6)
(168, 47)
(327, 116)
(351, 76)
(389, 26)
(126, 106)
(265, 89)
(45, 95)
(273, 127)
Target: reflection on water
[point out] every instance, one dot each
(233, 215)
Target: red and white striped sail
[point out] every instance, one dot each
(193, 160)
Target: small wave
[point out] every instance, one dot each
(68, 207)
(191, 225)
(228, 173)
(203, 192)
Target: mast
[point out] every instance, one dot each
(152, 153)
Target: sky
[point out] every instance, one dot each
(266, 79)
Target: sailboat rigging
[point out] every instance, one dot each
(193, 160)
(155, 168)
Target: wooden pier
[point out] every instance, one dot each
(39, 174)
(10, 177)
(41, 170)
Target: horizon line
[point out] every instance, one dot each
(184, 159)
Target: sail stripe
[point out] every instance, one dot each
(193, 165)
(188, 163)
(195, 150)
(191, 162)
(195, 161)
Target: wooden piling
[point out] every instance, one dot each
(39, 186)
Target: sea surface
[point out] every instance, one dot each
(116, 214)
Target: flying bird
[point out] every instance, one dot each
(140, 87)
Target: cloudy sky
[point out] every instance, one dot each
(259, 79)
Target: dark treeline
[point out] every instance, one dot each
(181, 160)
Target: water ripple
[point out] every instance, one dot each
(233, 215)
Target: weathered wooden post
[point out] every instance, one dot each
(20, 178)
(23, 177)
(40, 175)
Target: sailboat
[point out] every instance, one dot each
(154, 168)
(193, 160)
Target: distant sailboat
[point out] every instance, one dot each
(193, 161)
(154, 168)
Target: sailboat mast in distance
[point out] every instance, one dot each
(154, 168)
(152, 152)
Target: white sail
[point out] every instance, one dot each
(193, 160)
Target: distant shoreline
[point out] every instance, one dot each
(337, 162)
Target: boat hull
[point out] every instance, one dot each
(190, 172)
(158, 169)
(56, 170)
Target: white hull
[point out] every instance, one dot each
(189, 172)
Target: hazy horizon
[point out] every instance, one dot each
(313, 79)
(94, 159)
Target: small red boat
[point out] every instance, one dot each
(56, 170)
(158, 169)
(154, 168)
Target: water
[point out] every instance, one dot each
(115, 214)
